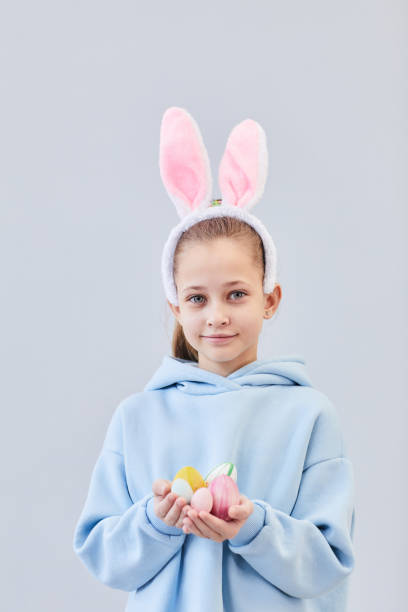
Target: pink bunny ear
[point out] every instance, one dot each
(184, 164)
(244, 165)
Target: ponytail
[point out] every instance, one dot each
(181, 348)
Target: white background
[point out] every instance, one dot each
(84, 217)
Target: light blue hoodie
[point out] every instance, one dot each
(294, 552)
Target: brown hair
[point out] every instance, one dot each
(205, 231)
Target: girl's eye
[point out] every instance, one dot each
(239, 292)
(194, 296)
(200, 296)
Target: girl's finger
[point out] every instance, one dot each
(192, 527)
(173, 514)
(183, 513)
(165, 505)
(238, 513)
(161, 487)
(203, 529)
(213, 522)
(242, 510)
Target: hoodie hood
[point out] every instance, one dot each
(189, 378)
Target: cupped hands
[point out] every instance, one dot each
(175, 511)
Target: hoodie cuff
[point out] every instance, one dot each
(158, 523)
(251, 527)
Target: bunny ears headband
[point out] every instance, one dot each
(185, 172)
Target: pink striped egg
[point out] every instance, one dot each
(225, 493)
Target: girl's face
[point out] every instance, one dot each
(220, 291)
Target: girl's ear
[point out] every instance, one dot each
(184, 163)
(244, 165)
(174, 309)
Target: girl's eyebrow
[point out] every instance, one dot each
(199, 288)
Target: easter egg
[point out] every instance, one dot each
(202, 500)
(225, 493)
(182, 487)
(228, 469)
(192, 476)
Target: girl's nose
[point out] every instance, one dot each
(217, 318)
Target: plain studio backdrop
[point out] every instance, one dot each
(84, 217)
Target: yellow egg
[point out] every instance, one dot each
(192, 476)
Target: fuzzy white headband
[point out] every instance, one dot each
(185, 172)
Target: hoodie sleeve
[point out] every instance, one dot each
(114, 536)
(310, 551)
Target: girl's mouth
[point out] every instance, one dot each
(219, 339)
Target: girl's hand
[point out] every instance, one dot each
(207, 525)
(167, 505)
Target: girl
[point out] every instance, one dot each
(289, 542)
